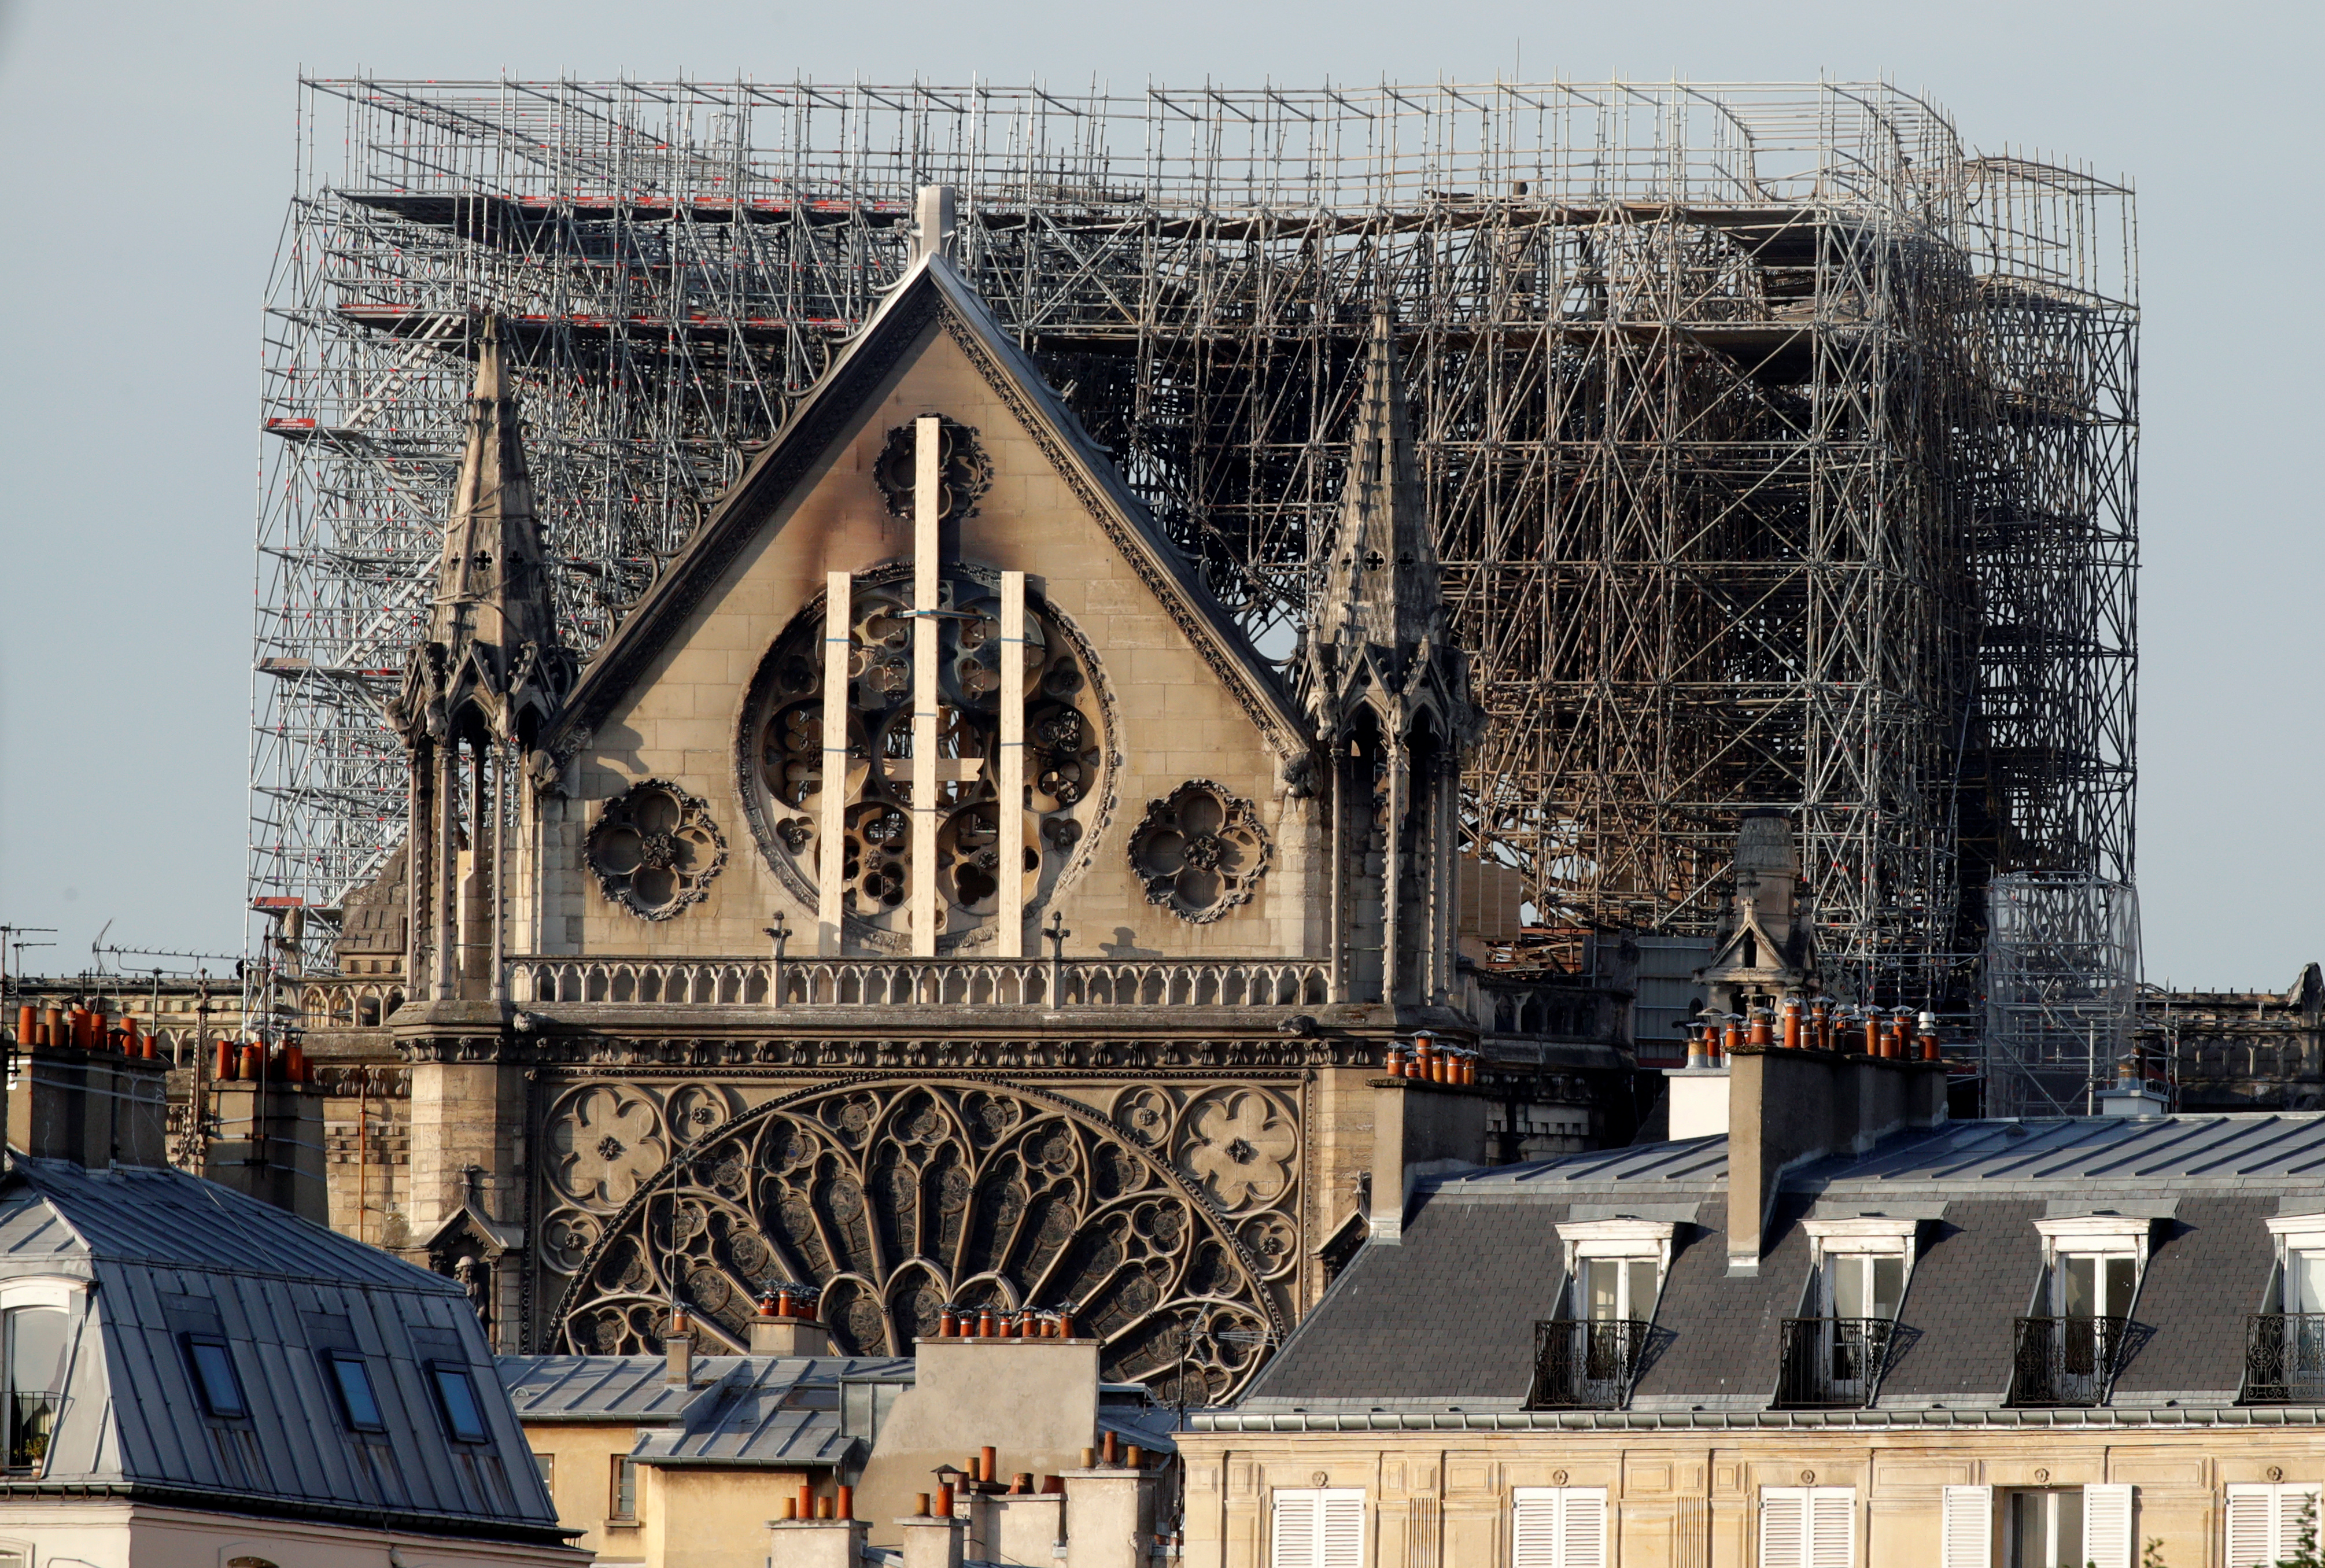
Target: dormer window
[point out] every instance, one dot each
(1835, 1352)
(2285, 1346)
(2068, 1352)
(1589, 1355)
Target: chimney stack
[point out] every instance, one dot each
(678, 1345)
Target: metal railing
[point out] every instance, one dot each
(1832, 1362)
(32, 1417)
(2066, 1361)
(1586, 1364)
(939, 982)
(2285, 1359)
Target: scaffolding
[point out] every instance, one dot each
(2062, 992)
(1780, 449)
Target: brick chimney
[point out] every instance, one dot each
(96, 1107)
(1786, 1107)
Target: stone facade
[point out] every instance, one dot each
(1694, 1497)
(671, 1023)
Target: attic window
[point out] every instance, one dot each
(213, 1366)
(456, 1398)
(351, 1376)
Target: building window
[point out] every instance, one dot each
(2069, 1355)
(1317, 1528)
(1558, 1527)
(2284, 1351)
(625, 1500)
(36, 1340)
(1589, 1354)
(546, 1464)
(1808, 1526)
(351, 1379)
(1836, 1353)
(2267, 1523)
(455, 1399)
(213, 1366)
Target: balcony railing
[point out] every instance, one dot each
(1833, 1361)
(32, 1417)
(941, 982)
(1585, 1365)
(2066, 1361)
(2285, 1359)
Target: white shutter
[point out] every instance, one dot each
(1783, 1527)
(2288, 1501)
(2107, 1526)
(1968, 1532)
(1341, 1531)
(1582, 1527)
(1293, 1538)
(2252, 1526)
(1534, 1527)
(1832, 1527)
(2264, 1522)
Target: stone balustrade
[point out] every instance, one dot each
(904, 982)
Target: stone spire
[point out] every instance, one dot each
(1376, 632)
(492, 631)
(1382, 585)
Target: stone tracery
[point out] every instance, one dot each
(898, 1198)
(1066, 760)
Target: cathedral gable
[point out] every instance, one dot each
(694, 746)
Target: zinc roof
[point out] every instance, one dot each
(170, 1257)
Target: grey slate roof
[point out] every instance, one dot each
(1445, 1319)
(169, 1256)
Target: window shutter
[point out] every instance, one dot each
(2107, 1526)
(2252, 1526)
(1293, 1540)
(1341, 1530)
(1832, 1527)
(1582, 1527)
(1968, 1527)
(1534, 1527)
(1783, 1527)
(2289, 1502)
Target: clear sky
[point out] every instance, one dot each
(148, 164)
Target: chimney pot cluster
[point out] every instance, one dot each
(1815, 1023)
(984, 1322)
(82, 1029)
(1427, 1062)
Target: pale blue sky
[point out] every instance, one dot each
(149, 158)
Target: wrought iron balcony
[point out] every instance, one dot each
(2066, 1361)
(2285, 1359)
(31, 1419)
(1833, 1361)
(1585, 1365)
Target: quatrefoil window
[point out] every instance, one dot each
(654, 850)
(1199, 851)
(964, 472)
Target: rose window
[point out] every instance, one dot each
(1065, 753)
(654, 850)
(1199, 852)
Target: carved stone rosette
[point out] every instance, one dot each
(654, 850)
(1199, 851)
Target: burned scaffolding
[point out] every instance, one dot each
(1780, 449)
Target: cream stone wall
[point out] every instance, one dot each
(1176, 719)
(108, 1535)
(1692, 1501)
(581, 1483)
